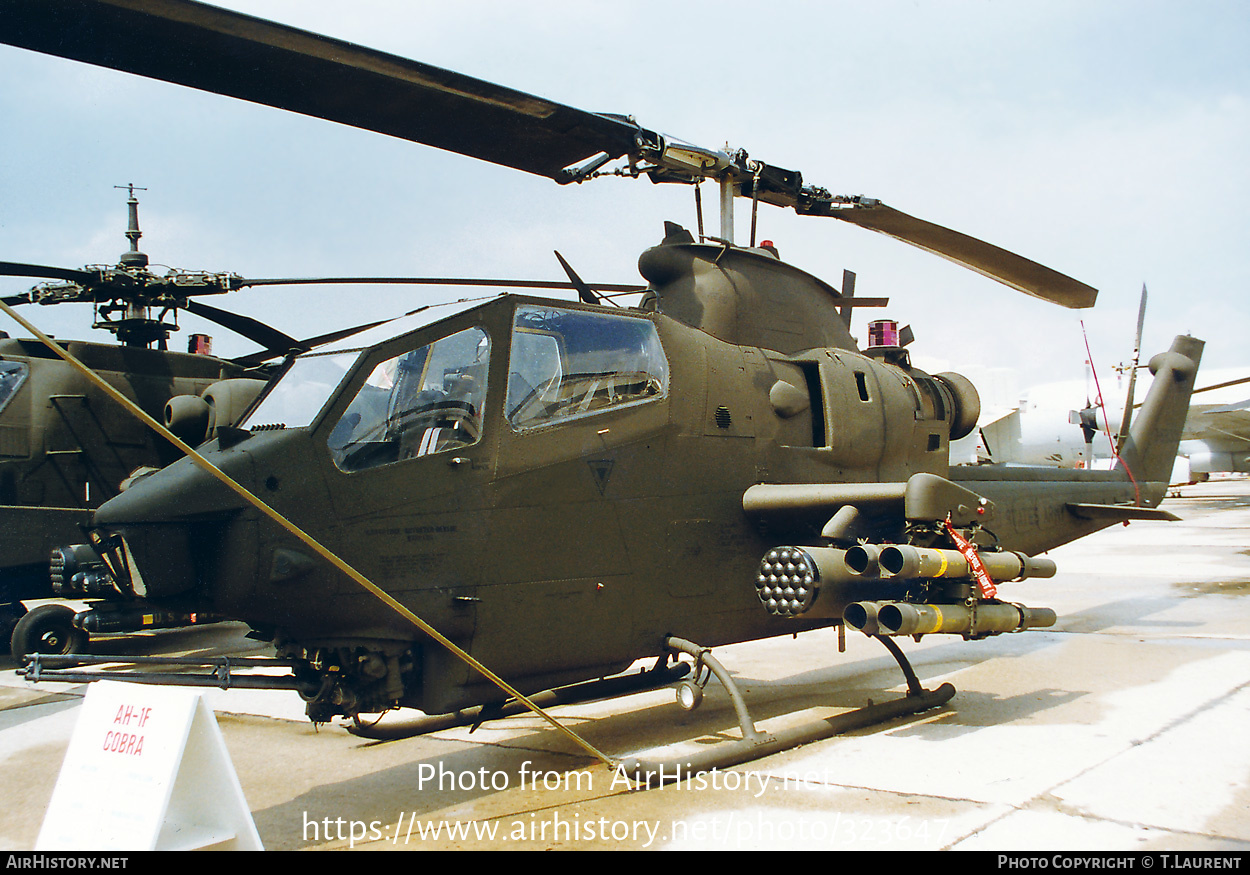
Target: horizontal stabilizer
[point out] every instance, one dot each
(1117, 512)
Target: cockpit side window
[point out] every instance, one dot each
(12, 375)
(427, 400)
(302, 390)
(569, 363)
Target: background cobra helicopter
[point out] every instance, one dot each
(65, 448)
(747, 354)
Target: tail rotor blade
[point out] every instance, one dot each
(1132, 376)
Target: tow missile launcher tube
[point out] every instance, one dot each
(906, 562)
(863, 616)
(863, 560)
(904, 618)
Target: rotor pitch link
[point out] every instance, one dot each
(904, 618)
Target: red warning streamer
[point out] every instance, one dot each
(969, 552)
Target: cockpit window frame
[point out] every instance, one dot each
(547, 406)
(275, 385)
(460, 423)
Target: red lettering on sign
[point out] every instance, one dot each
(123, 742)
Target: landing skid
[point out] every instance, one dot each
(753, 744)
(609, 688)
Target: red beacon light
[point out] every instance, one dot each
(883, 332)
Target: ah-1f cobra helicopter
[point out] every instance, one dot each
(553, 490)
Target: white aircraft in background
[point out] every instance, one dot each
(1043, 427)
(1060, 425)
(1050, 425)
(1217, 433)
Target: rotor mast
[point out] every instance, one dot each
(133, 258)
(727, 208)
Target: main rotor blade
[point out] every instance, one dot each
(1223, 385)
(226, 52)
(41, 271)
(985, 258)
(257, 358)
(230, 53)
(259, 332)
(431, 281)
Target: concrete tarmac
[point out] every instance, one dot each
(1121, 728)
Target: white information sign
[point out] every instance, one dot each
(147, 769)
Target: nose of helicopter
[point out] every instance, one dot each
(172, 529)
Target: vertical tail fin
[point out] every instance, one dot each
(1150, 450)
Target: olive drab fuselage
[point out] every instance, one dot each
(558, 487)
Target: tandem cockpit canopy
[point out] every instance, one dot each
(430, 396)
